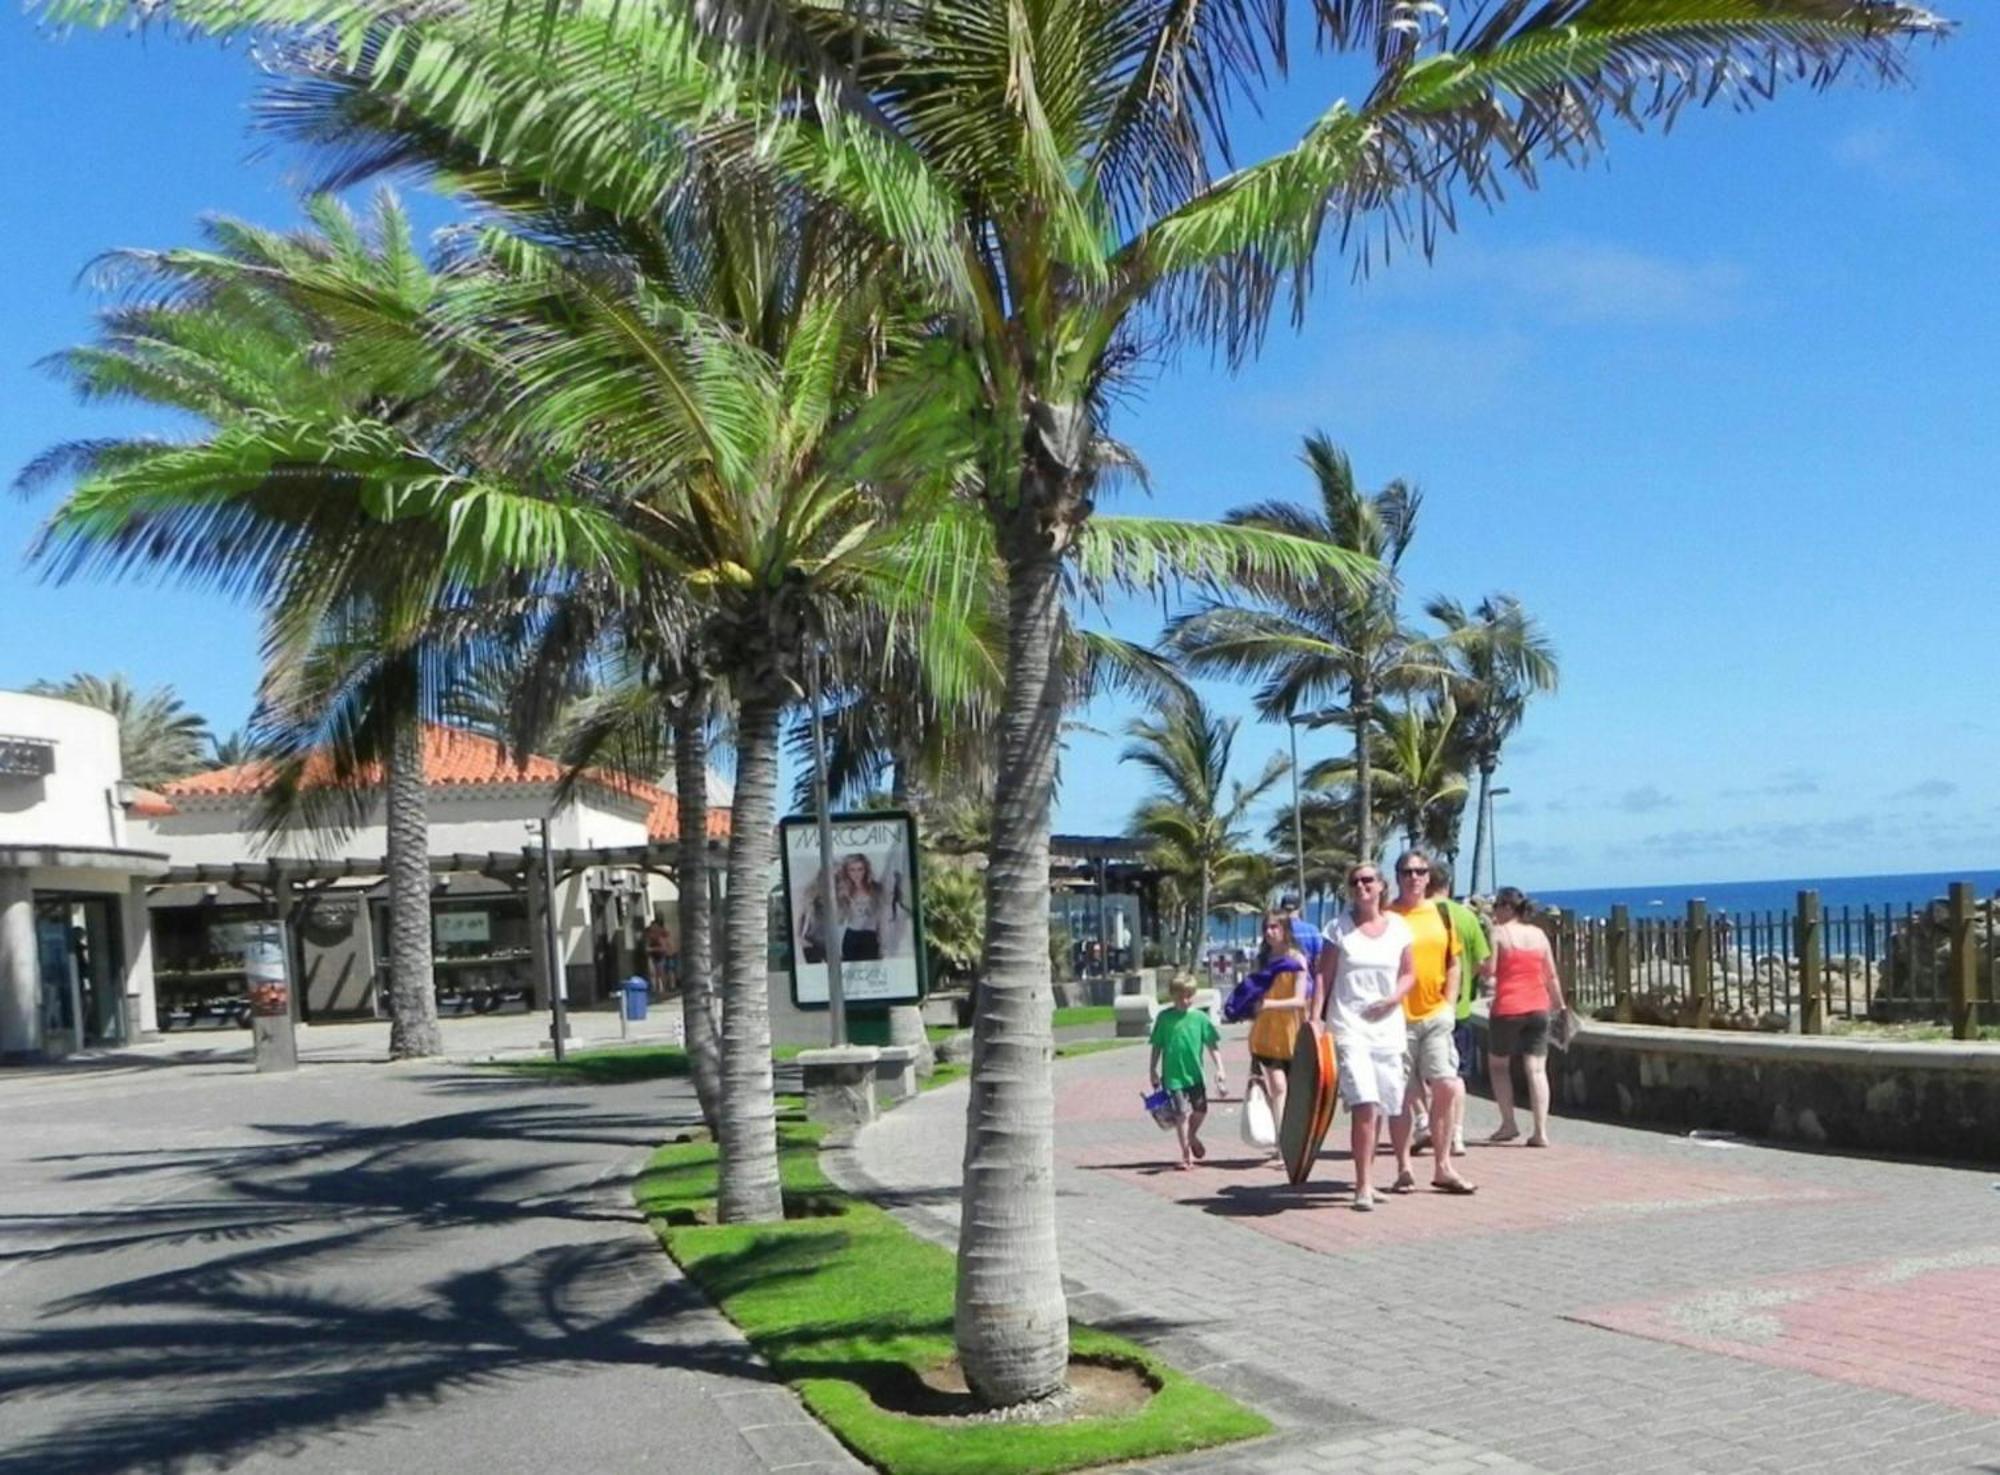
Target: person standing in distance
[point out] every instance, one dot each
(1473, 951)
(1432, 1008)
(1304, 933)
(1366, 971)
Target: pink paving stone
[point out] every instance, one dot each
(1889, 1325)
(1519, 1187)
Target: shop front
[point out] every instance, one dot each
(75, 948)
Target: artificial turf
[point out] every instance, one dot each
(842, 1298)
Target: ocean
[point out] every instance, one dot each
(1835, 892)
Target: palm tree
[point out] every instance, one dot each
(158, 738)
(232, 751)
(1501, 659)
(1047, 176)
(1416, 760)
(1326, 826)
(325, 417)
(1317, 640)
(752, 475)
(1195, 818)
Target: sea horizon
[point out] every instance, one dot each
(1892, 892)
(1776, 894)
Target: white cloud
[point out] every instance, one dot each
(1592, 283)
(1887, 154)
(1646, 799)
(1930, 788)
(1573, 281)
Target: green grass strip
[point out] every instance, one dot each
(1078, 1014)
(849, 1299)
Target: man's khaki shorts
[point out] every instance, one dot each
(1433, 1052)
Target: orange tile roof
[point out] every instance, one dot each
(455, 758)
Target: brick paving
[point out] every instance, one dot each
(1627, 1300)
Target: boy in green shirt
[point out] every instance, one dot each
(1180, 1035)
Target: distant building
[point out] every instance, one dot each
(75, 953)
(614, 839)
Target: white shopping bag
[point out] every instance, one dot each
(1258, 1126)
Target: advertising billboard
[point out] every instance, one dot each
(876, 929)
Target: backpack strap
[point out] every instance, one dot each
(1451, 944)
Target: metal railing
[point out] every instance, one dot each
(1937, 963)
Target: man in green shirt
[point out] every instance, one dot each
(1474, 950)
(1180, 1035)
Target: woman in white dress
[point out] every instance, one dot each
(1366, 968)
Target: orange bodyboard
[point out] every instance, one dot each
(1310, 1094)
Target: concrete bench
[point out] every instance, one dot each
(1132, 1016)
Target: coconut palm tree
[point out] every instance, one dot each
(1501, 660)
(1317, 641)
(1196, 816)
(1416, 760)
(1049, 176)
(159, 739)
(1326, 828)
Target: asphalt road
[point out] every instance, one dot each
(356, 1267)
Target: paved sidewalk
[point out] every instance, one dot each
(1627, 1300)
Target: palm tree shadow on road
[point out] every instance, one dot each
(293, 1290)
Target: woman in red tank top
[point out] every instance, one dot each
(1526, 990)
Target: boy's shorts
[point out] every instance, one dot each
(1187, 1100)
(1372, 1078)
(1433, 1055)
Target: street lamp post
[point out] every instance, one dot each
(558, 1004)
(1493, 839)
(836, 996)
(1292, 720)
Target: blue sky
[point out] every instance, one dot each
(1719, 411)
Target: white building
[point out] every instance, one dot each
(75, 952)
(612, 839)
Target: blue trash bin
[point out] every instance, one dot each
(635, 998)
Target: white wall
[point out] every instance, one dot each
(214, 831)
(74, 805)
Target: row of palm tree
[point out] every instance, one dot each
(792, 323)
(1423, 709)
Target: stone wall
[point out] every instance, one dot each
(1938, 1100)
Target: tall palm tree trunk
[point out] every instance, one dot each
(1364, 773)
(413, 1017)
(1486, 767)
(1011, 1321)
(748, 1191)
(704, 1044)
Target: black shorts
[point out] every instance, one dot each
(1188, 1100)
(1272, 1062)
(1519, 1034)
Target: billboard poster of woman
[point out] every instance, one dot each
(874, 929)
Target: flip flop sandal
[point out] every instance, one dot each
(1199, 1149)
(1405, 1183)
(1504, 1135)
(1538, 1142)
(1456, 1185)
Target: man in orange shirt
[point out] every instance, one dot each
(1432, 1011)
